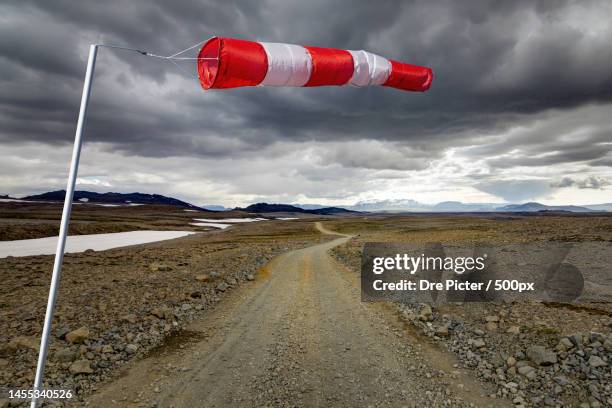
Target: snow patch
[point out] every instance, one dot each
(230, 220)
(211, 224)
(80, 243)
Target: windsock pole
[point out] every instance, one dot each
(61, 242)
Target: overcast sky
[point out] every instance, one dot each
(520, 107)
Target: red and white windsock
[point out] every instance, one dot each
(232, 63)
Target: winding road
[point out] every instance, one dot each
(299, 336)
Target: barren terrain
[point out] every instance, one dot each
(270, 314)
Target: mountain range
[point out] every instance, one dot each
(392, 206)
(269, 208)
(112, 198)
(457, 206)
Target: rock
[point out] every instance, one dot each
(478, 343)
(3, 362)
(202, 277)
(62, 332)
(107, 348)
(527, 371)
(24, 342)
(491, 326)
(232, 281)
(130, 318)
(195, 294)
(81, 367)
(511, 361)
(596, 361)
(250, 277)
(443, 331)
(426, 313)
(576, 338)
(215, 275)
(78, 336)
(65, 355)
(513, 330)
(541, 355)
(608, 344)
(162, 313)
(564, 344)
(159, 267)
(492, 319)
(222, 287)
(131, 348)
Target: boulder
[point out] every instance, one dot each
(162, 313)
(24, 342)
(478, 343)
(81, 367)
(596, 361)
(426, 313)
(78, 336)
(491, 326)
(130, 318)
(443, 331)
(202, 277)
(513, 330)
(542, 356)
(159, 267)
(131, 348)
(527, 371)
(65, 355)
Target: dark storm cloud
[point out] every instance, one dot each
(591, 182)
(495, 63)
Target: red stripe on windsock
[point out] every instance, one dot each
(240, 63)
(330, 66)
(409, 77)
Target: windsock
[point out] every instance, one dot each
(233, 63)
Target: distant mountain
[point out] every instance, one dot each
(389, 206)
(599, 207)
(310, 206)
(213, 207)
(403, 205)
(112, 198)
(533, 206)
(457, 206)
(268, 208)
(407, 205)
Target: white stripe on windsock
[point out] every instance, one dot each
(288, 65)
(370, 69)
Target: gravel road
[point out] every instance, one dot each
(299, 336)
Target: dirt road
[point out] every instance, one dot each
(298, 336)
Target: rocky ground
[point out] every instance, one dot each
(536, 354)
(119, 304)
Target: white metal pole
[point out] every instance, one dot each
(61, 242)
